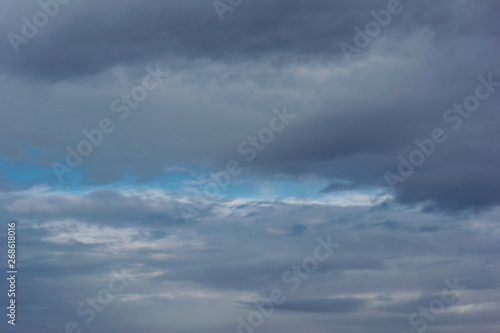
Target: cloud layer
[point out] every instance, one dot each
(114, 114)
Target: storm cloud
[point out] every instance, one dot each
(202, 151)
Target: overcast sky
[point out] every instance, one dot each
(202, 147)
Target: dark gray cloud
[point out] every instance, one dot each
(67, 257)
(322, 175)
(135, 31)
(348, 127)
(298, 229)
(339, 305)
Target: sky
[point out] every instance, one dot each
(251, 166)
